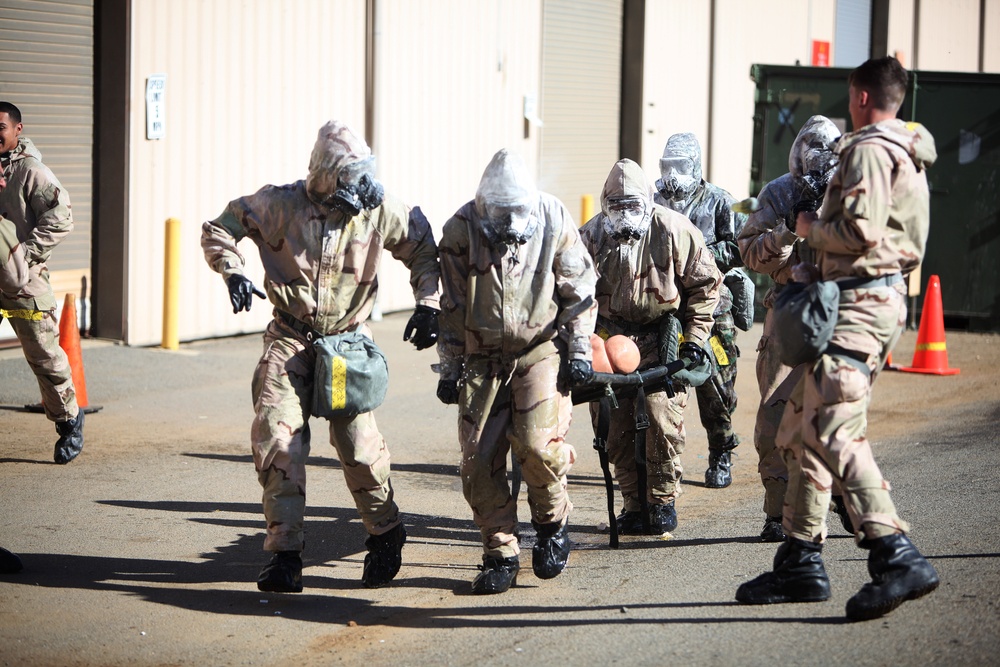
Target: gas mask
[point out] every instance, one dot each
(357, 188)
(679, 180)
(627, 218)
(509, 223)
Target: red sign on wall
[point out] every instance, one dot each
(821, 54)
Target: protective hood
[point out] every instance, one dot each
(812, 160)
(914, 138)
(507, 199)
(337, 149)
(680, 167)
(626, 202)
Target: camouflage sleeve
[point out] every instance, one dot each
(865, 196)
(14, 271)
(700, 280)
(53, 216)
(412, 243)
(576, 282)
(454, 255)
(727, 227)
(766, 244)
(219, 238)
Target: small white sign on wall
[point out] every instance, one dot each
(156, 106)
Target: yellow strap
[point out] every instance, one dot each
(931, 347)
(24, 314)
(720, 352)
(338, 383)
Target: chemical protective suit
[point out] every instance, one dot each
(320, 242)
(769, 245)
(35, 203)
(872, 231)
(517, 312)
(652, 264)
(681, 188)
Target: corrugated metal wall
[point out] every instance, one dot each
(249, 83)
(47, 71)
(580, 97)
(451, 78)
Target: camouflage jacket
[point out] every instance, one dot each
(503, 301)
(877, 208)
(668, 267)
(39, 208)
(321, 266)
(642, 280)
(14, 271)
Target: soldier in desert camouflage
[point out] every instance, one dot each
(650, 263)
(320, 242)
(517, 312)
(872, 231)
(36, 204)
(769, 245)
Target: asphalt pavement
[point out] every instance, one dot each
(145, 550)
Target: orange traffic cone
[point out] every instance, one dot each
(889, 366)
(931, 355)
(69, 341)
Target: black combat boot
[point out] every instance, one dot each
(773, 531)
(9, 562)
(798, 576)
(551, 551)
(498, 574)
(662, 518)
(283, 574)
(899, 573)
(70, 442)
(719, 474)
(840, 509)
(385, 555)
(630, 523)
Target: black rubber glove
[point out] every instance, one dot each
(691, 353)
(422, 329)
(580, 371)
(241, 291)
(447, 391)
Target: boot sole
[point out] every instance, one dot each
(275, 588)
(494, 591)
(870, 613)
(784, 599)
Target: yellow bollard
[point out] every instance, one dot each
(171, 283)
(586, 209)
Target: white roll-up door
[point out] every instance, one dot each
(47, 71)
(581, 98)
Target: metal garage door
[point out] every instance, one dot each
(581, 97)
(46, 70)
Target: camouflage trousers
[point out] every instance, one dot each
(775, 381)
(822, 434)
(517, 407)
(280, 440)
(717, 397)
(665, 439)
(37, 331)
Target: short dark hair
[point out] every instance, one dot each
(11, 110)
(885, 81)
